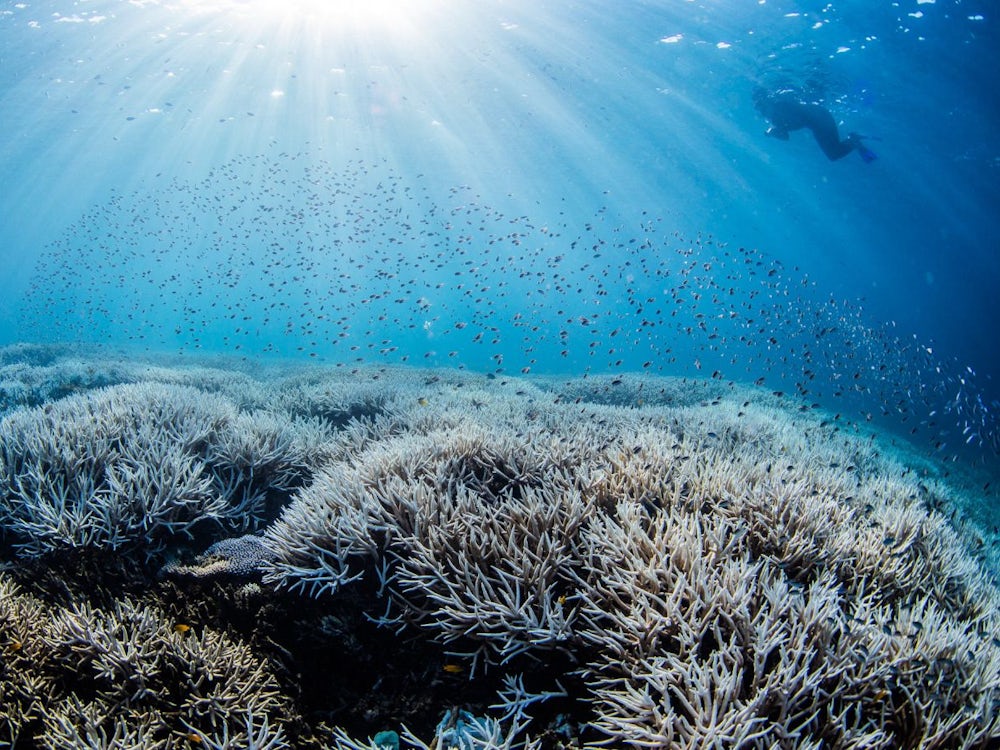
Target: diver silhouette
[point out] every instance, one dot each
(786, 112)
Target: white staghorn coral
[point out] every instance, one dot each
(706, 568)
(257, 734)
(723, 576)
(123, 676)
(135, 465)
(475, 529)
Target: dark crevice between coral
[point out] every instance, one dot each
(342, 416)
(341, 669)
(100, 577)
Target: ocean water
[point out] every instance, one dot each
(297, 179)
(503, 196)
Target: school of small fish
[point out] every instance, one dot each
(293, 256)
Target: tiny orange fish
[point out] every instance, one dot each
(453, 668)
(181, 628)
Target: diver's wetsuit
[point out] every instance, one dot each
(786, 113)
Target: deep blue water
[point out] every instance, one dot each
(518, 186)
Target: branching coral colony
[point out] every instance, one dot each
(706, 570)
(125, 678)
(137, 465)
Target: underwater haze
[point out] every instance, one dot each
(545, 187)
(580, 262)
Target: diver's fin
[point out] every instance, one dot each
(866, 154)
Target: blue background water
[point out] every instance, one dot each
(553, 111)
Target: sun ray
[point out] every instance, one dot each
(372, 13)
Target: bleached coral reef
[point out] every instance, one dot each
(483, 562)
(713, 574)
(134, 465)
(124, 677)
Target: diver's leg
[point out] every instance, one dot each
(824, 130)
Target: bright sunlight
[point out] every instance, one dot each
(375, 12)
